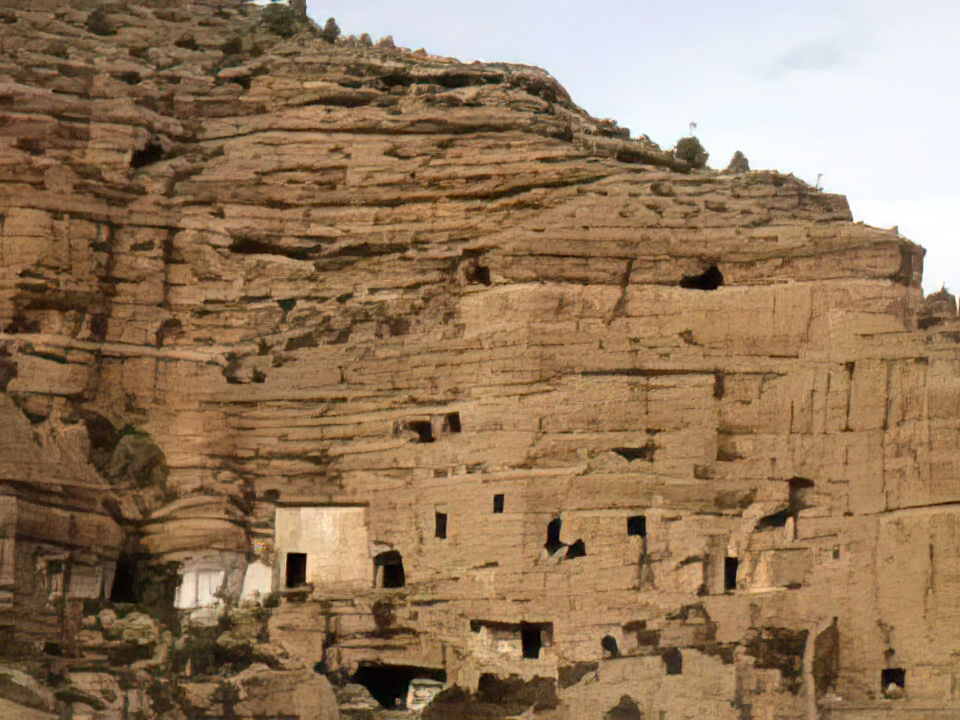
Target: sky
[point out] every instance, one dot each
(864, 92)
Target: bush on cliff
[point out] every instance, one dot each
(283, 20)
(331, 31)
(690, 150)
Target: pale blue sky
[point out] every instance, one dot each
(866, 92)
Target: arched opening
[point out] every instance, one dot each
(388, 684)
(673, 661)
(610, 647)
(389, 570)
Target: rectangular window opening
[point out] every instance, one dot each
(440, 525)
(730, 567)
(296, 569)
(637, 525)
(498, 502)
(531, 640)
(423, 430)
(673, 660)
(892, 678)
(451, 422)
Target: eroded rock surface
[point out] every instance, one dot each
(449, 381)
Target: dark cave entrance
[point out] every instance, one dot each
(531, 640)
(637, 526)
(610, 647)
(451, 422)
(124, 588)
(673, 661)
(389, 569)
(730, 567)
(296, 569)
(892, 676)
(553, 543)
(147, 156)
(423, 429)
(388, 684)
(709, 279)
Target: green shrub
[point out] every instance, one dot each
(690, 150)
(281, 20)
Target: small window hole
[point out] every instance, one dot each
(637, 526)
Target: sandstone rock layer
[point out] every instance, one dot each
(672, 439)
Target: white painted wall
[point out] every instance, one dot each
(257, 582)
(205, 580)
(335, 540)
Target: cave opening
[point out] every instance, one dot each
(730, 567)
(673, 661)
(475, 273)
(709, 279)
(826, 659)
(895, 677)
(451, 422)
(150, 154)
(423, 429)
(646, 452)
(296, 570)
(553, 543)
(388, 684)
(637, 526)
(531, 640)
(124, 588)
(389, 569)
(610, 647)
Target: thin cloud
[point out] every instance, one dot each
(816, 56)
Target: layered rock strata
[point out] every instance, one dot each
(481, 386)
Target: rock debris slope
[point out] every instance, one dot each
(461, 383)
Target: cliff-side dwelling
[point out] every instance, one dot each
(333, 375)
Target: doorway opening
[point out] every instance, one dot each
(296, 570)
(730, 567)
(389, 569)
(531, 640)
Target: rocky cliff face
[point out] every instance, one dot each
(394, 367)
